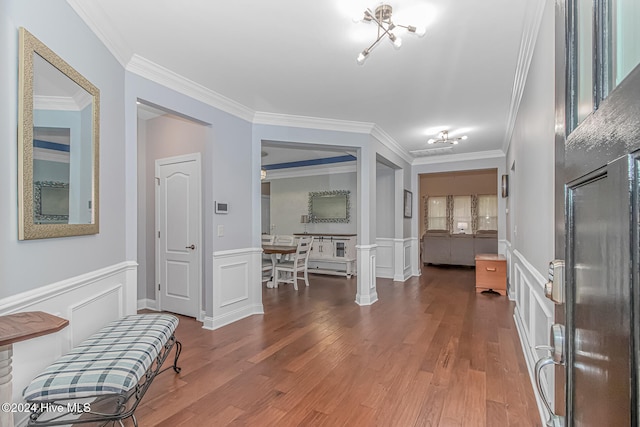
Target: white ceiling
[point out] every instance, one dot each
(298, 58)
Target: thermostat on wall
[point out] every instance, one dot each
(222, 207)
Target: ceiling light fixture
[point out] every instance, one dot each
(382, 17)
(443, 138)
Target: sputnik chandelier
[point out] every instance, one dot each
(382, 17)
(443, 138)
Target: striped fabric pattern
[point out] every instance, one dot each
(111, 361)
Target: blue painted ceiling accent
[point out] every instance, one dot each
(312, 162)
(51, 145)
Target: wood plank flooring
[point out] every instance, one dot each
(430, 352)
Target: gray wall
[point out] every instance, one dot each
(385, 185)
(290, 200)
(225, 168)
(531, 205)
(28, 265)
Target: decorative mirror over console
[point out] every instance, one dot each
(58, 137)
(329, 206)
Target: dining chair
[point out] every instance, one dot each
(299, 264)
(267, 261)
(285, 240)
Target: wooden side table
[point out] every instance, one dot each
(15, 328)
(491, 273)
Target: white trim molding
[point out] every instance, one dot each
(462, 157)
(532, 22)
(237, 286)
(289, 120)
(165, 77)
(147, 304)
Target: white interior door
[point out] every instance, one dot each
(178, 201)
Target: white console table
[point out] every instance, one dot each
(333, 254)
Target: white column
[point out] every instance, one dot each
(6, 392)
(416, 262)
(367, 293)
(366, 248)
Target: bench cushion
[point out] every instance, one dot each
(111, 361)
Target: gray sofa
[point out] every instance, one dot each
(441, 247)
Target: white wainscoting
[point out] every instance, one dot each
(533, 316)
(394, 258)
(88, 301)
(237, 291)
(385, 253)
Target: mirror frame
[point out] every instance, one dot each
(317, 194)
(28, 229)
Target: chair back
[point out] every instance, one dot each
(268, 239)
(302, 251)
(283, 239)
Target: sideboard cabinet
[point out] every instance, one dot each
(333, 254)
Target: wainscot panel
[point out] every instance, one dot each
(88, 301)
(385, 255)
(533, 316)
(237, 285)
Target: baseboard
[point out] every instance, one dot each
(367, 300)
(232, 316)
(147, 304)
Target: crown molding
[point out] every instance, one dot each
(462, 157)
(165, 77)
(386, 140)
(92, 15)
(532, 22)
(264, 118)
(275, 119)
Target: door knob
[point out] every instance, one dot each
(192, 247)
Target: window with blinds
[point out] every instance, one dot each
(462, 215)
(437, 213)
(488, 212)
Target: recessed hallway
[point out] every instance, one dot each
(430, 352)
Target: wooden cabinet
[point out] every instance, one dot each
(333, 254)
(491, 273)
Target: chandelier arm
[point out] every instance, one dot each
(374, 43)
(380, 25)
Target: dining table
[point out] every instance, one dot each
(274, 251)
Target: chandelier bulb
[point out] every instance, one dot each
(362, 57)
(421, 31)
(395, 40)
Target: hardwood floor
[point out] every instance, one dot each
(430, 352)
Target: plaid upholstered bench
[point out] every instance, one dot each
(105, 377)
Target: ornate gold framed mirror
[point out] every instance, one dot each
(58, 153)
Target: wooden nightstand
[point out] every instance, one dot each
(491, 273)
